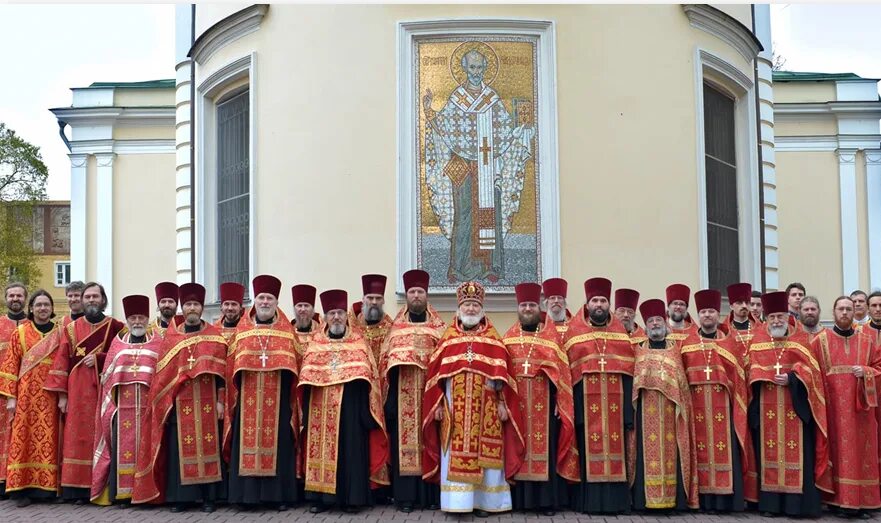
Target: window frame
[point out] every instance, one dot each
(55, 265)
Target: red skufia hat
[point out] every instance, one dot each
(166, 289)
(191, 292)
(528, 292)
(597, 287)
(470, 290)
(266, 283)
(356, 307)
(334, 299)
(708, 299)
(555, 287)
(373, 284)
(652, 308)
(232, 291)
(627, 298)
(775, 302)
(303, 293)
(678, 291)
(136, 304)
(740, 292)
(414, 278)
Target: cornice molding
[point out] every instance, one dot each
(724, 27)
(228, 30)
(131, 116)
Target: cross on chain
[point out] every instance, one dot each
(263, 358)
(526, 366)
(485, 149)
(777, 367)
(602, 364)
(191, 360)
(707, 372)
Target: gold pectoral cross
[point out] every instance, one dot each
(602, 364)
(777, 367)
(707, 372)
(526, 366)
(191, 360)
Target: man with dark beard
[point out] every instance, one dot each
(368, 316)
(678, 320)
(544, 386)
(714, 366)
(166, 303)
(180, 460)
(601, 360)
(555, 290)
(16, 295)
(626, 301)
(787, 415)
(402, 364)
(741, 324)
(666, 470)
(74, 375)
(262, 370)
(306, 322)
(345, 446)
(232, 295)
(809, 315)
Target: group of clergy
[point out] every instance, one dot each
(586, 411)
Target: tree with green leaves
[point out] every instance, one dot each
(22, 184)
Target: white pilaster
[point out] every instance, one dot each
(183, 145)
(767, 142)
(104, 225)
(873, 205)
(78, 164)
(847, 183)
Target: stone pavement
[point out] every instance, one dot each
(38, 513)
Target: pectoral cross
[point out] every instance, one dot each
(485, 149)
(526, 366)
(707, 372)
(777, 367)
(602, 364)
(191, 360)
(263, 358)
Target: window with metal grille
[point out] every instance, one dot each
(723, 236)
(233, 167)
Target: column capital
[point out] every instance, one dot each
(105, 159)
(78, 161)
(873, 156)
(846, 156)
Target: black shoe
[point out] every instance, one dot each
(317, 508)
(79, 502)
(351, 509)
(58, 501)
(22, 502)
(480, 513)
(434, 506)
(282, 507)
(177, 507)
(406, 508)
(208, 507)
(124, 505)
(767, 514)
(548, 512)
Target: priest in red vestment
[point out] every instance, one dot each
(601, 365)
(232, 297)
(180, 459)
(262, 414)
(125, 386)
(35, 429)
(344, 449)
(555, 290)
(678, 320)
(665, 476)
(75, 376)
(16, 296)
(368, 316)
(306, 321)
(787, 415)
(403, 362)
(74, 294)
(544, 387)
(852, 362)
(626, 302)
(741, 324)
(473, 432)
(166, 303)
(717, 381)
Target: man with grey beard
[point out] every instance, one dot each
(125, 385)
(787, 415)
(368, 315)
(555, 303)
(809, 315)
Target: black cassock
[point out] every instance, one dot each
(281, 488)
(806, 504)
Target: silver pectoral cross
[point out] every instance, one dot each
(263, 358)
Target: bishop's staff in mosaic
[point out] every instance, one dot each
(601, 365)
(403, 363)
(852, 363)
(787, 415)
(262, 416)
(473, 432)
(475, 161)
(125, 386)
(714, 365)
(180, 460)
(544, 388)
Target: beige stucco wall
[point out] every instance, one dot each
(627, 144)
(826, 126)
(810, 224)
(740, 12)
(138, 97)
(800, 92)
(143, 232)
(152, 132)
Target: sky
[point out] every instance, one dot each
(47, 49)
